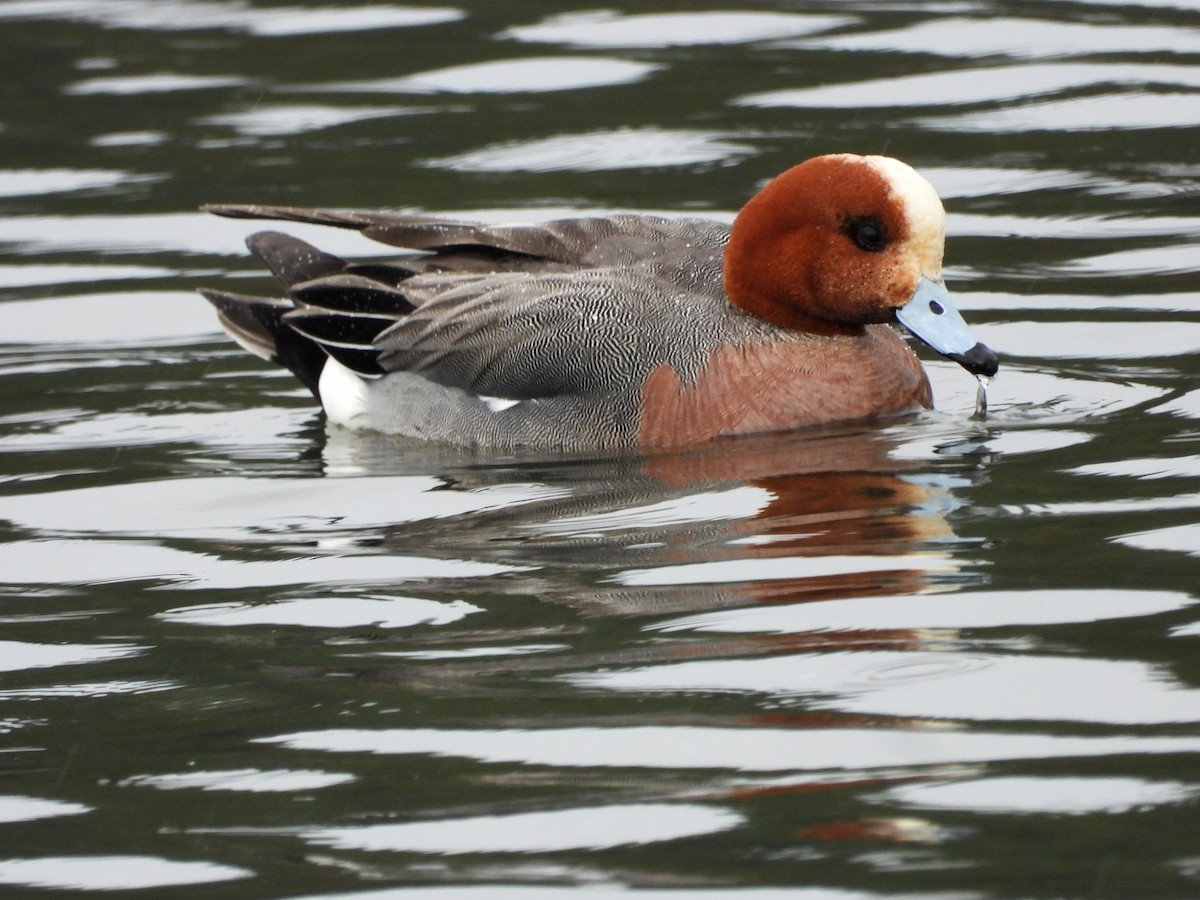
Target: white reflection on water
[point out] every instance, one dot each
(183, 232)
(473, 652)
(36, 182)
(1173, 259)
(267, 121)
(1067, 227)
(1144, 469)
(94, 562)
(728, 571)
(979, 85)
(273, 427)
(89, 689)
(603, 892)
(984, 609)
(1000, 300)
(1153, 4)
(532, 75)
(976, 37)
(954, 182)
(738, 749)
(604, 28)
(14, 808)
(591, 828)
(709, 506)
(1093, 340)
(331, 612)
(244, 509)
(130, 139)
(113, 873)
(110, 318)
(16, 656)
(598, 151)
(1058, 795)
(586, 891)
(1186, 405)
(1177, 538)
(34, 275)
(1008, 443)
(1106, 507)
(157, 83)
(938, 685)
(286, 22)
(1140, 109)
(187, 15)
(253, 781)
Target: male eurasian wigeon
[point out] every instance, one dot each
(623, 331)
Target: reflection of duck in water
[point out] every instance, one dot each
(765, 519)
(765, 524)
(813, 536)
(624, 331)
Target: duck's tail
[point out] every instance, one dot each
(257, 324)
(331, 309)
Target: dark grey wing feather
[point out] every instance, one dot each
(290, 260)
(353, 294)
(599, 240)
(414, 232)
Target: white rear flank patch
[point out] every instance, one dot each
(343, 394)
(922, 208)
(499, 404)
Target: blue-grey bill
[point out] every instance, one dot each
(931, 316)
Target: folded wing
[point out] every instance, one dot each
(520, 312)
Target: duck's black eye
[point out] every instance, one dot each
(868, 233)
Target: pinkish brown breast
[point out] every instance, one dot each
(783, 384)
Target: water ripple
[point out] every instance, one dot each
(1056, 795)
(931, 684)
(759, 749)
(599, 151)
(592, 828)
(509, 76)
(332, 612)
(253, 781)
(1028, 38)
(33, 182)
(609, 29)
(984, 609)
(15, 808)
(189, 15)
(263, 121)
(113, 873)
(156, 83)
(1108, 112)
(977, 85)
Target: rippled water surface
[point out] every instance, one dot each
(243, 655)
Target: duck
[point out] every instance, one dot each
(624, 331)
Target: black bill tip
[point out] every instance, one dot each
(979, 360)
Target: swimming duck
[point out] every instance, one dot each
(622, 331)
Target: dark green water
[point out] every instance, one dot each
(244, 656)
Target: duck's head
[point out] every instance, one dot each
(843, 241)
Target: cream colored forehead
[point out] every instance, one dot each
(922, 208)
